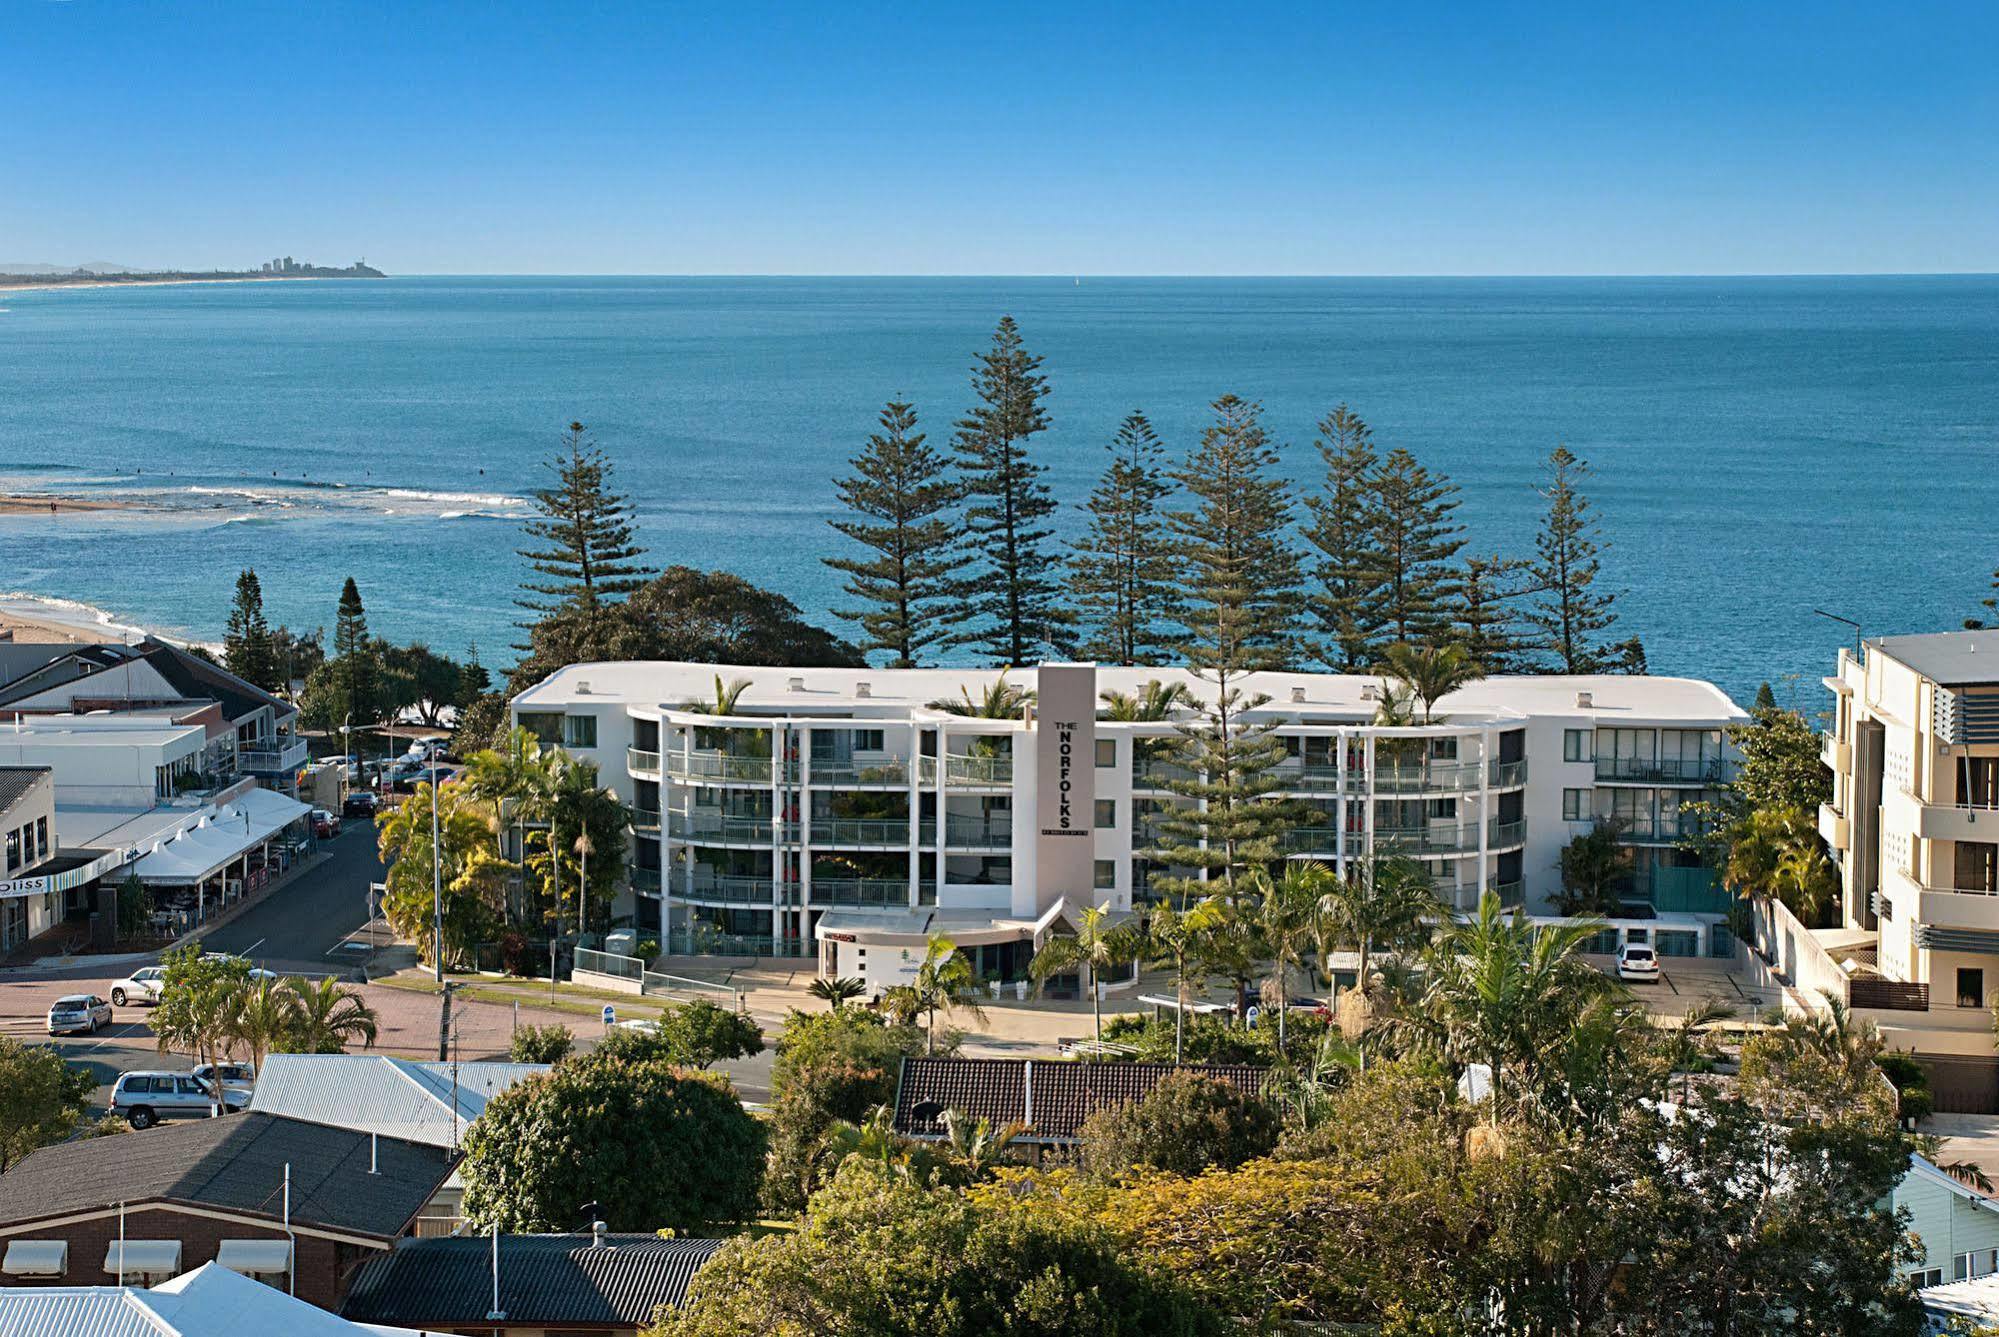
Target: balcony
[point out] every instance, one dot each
(1837, 756)
(1320, 840)
(703, 827)
(891, 772)
(1956, 821)
(1954, 907)
(876, 831)
(641, 762)
(1420, 777)
(1159, 773)
(1834, 828)
(973, 833)
(1662, 770)
(645, 821)
(736, 890)
(1668, 830)
(645, 880)
(861, 893)
(969, 771)
(721, 768)
(289, 756)
(1509, 774)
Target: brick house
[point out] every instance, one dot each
(139, 1208)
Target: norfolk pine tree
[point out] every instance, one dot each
(1012, 607)
(1243, 595)
(354, 651)
(247, 648)
(588, 553)
(1348, 568)
(1415, 540)
(1486, 621)
(898, 494)
(1127, 575)
(1571, 614)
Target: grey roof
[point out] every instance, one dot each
(1950, 658)
(236, 1164)
(556, 1281)
(1051, 1098)
(16, 781)
(376, 1093)
(18, 659)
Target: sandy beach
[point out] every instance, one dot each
(50, 503)
(6, 287)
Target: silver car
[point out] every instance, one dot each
(78, 1012)
(144, 1098)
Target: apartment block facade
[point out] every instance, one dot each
(1914, 817)
(830, 810)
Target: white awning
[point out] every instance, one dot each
(36, 1258)
(256, 1258)
(143, 1258)
(219, 840)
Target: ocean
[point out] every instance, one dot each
(1761, 447)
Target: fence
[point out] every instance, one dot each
(1784, 955)
(608, 970)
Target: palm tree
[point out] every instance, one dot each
(1503, 992)
(1152, 703)
(1096, 948)
(1430, 673)
(941, 982)
(875, 1140)
(1001, 700)
(261, 1016)
(327, 1017)
(975, 1144)
(579, 807)
(724, 702)
(1177, 939)
(1380, 903)
(1776, 853)
(1287, 910)
(515, 782)
(839, 992)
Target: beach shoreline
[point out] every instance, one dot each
(65, 285)
(40, 619)
(54, 503)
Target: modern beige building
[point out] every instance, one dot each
(1914, 817)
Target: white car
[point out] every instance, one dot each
(141, 986)
(76, 1012)
(236, 1078)
(1640, 964)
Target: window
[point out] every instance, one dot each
(1106, 875)
(1929, 1276)
(579, 731)
(1970, 987)
(1575, 745)
(42, 837)
(1106, 813)
(13, 850)
(867, 740)
(1107, 752)
(1575, 805)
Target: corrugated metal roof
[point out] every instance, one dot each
(375, 1093)
(210, 1301)
(77, 1311)
(551, 1281)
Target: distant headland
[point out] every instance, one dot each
(17, 277)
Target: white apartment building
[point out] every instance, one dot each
(844, 813)
(1914, 818)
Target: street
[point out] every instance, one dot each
(293, 930)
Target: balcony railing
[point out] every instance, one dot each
(893, 771)
(969, 770)
(707, 826)
(641, 762)
(645, 821)
(1503, 834)
(645, 879)
(1936, 889)
(1159, 773)
(974, 832)
(1663, 770)
(1509, 774)
(863, 893)
(723, 767)
(860, 831)
(734, 890)
(1648, 830)
(273, 760)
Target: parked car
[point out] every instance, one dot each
(233, 1076)
(141, 986)
(360, 803)
(325, 825)
(423, 750)
(76, 1012)
(1638, 963)
(144, 1098)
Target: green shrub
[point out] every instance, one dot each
(1187, 1124)
(541, 1044)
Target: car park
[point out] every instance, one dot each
(78, 1013)
(141, 986)
(1639, 964)
(144, 1098)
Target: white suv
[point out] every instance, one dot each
(141, 986)
(1638, 963)
(144, 1098)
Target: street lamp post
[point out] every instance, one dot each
(437, 921)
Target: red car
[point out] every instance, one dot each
(325, 826)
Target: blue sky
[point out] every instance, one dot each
(870, 138)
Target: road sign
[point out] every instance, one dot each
(610, 1015)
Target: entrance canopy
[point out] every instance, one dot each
(217, 840)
